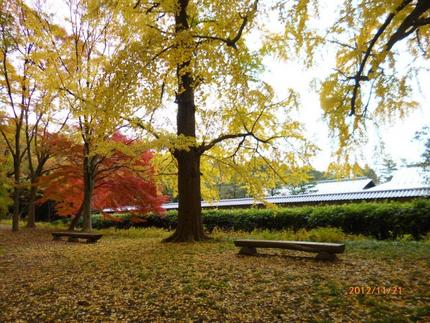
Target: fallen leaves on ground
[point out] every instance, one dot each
(141, 279)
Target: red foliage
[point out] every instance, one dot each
(120, 181)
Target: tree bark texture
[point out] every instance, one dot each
(17, 190)
(31, 214)
(88, 189)
(190, 225)
(75, 220)
(16, 206)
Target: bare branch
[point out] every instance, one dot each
(8, 143)
(8, 85)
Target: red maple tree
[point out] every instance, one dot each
(122, 181)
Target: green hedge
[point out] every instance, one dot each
(383, 220)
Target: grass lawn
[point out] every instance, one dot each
(130, 276)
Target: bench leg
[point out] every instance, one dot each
(250, 251)
(323, 255)
(73, 239)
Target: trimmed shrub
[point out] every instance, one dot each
(383, 220)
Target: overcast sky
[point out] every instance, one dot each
(397, 138)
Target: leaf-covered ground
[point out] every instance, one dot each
(135, 277)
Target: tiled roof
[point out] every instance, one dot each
(318, 198)
(335, 186)
(359, 189)
(405, 178)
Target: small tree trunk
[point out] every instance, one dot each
(16, 206)
(16, 192)
(75, 220)
(31, 220)
(50, 211)
(88, 192)
(86, 210)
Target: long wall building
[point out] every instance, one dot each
(406, 184)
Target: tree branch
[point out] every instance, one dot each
(204, 147)
(411, 23)
(143, 126)
(359, 75)
(231, 42)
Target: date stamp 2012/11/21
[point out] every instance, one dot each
(375, 290)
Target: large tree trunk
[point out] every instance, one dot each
(88, 190)
(31, 214)
(190, 226)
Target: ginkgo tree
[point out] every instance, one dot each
(96, 77)
(24, 94)
(5, 183)
(380, 49)
(194, 54)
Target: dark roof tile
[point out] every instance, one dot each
(316, 198)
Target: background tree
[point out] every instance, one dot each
(231, 190)
(122, 180)
(370, 173)
(20, 85)
(301, 188)
(5, 182)
(41, 146)
(424, 136)
(96, 77)
(389, 166)
(306, 185)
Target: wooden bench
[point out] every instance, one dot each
(325, 251)
(75, 236)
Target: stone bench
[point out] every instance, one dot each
(75, 236)
(325, 251)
